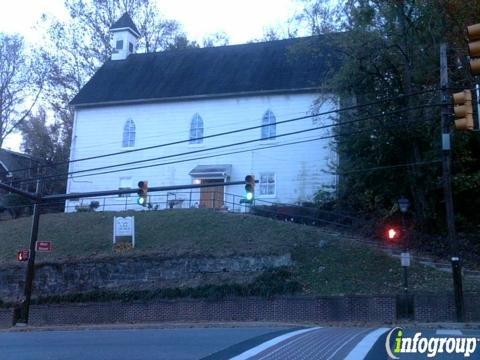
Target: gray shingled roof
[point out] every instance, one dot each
(125, 21)
(279, 66)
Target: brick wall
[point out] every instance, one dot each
(434, 307)
(427, 308)
(321, 309)
(5, 318)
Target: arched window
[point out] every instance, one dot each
(269, 128)
(196, 130)
(128, 134)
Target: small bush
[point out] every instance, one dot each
(88, 208)
(82, 208)
(94, 205)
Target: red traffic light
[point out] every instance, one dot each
(23, 255)
(392, 233)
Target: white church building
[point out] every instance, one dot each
(137, 105)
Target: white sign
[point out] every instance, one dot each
(124, 226)
(405, 259)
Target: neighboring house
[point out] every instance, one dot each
(16, 167)
(141, 100)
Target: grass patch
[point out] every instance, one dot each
(325, 264)
(170, 233)
(345, 267)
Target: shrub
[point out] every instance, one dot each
(87, 208)
(94, 205)
(82, 208)
(15, 204)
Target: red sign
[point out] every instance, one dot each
(43, 246)
(23, 255)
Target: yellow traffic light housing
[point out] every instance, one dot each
(463, 110)
(473, 33)
(142, 193)
(249, 188)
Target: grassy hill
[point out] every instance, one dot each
(326, 264)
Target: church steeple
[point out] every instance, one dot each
(125, 37)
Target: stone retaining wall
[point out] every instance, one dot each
(134, 273)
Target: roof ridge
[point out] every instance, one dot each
(227, 46)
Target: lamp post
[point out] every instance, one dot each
(404, 204)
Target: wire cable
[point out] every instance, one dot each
(235, 144)
(228, 153)
(353, 107)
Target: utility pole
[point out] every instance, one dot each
(31, 260)
(447, 185)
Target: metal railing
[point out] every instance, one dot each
(216, 200)
(169, 200)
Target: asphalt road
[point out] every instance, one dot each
(171, 344)
(265, 343)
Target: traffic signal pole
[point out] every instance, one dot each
(447, 185)
(39, 200)
(135, 191)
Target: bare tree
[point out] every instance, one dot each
(20, 84)
(77, 47)
(216, 39)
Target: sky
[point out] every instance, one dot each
(241, 20)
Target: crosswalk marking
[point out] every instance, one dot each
(258, 349)
(449, 332)
(363, 347)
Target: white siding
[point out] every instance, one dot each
(299, 169)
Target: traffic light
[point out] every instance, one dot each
(473, 33)
(463, 110)
(23, 255)
(142, 193)
(249, 188)
(392, 233)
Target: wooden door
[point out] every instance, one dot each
(212, 197)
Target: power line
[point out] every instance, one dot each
(234, 144)
(202, 157)
(353, 107)
(187, 130)
(224, 154)
(223, 125)
(419, 163)
(266, 147)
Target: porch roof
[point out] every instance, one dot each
(211, 171)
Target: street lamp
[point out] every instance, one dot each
(404, 204)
